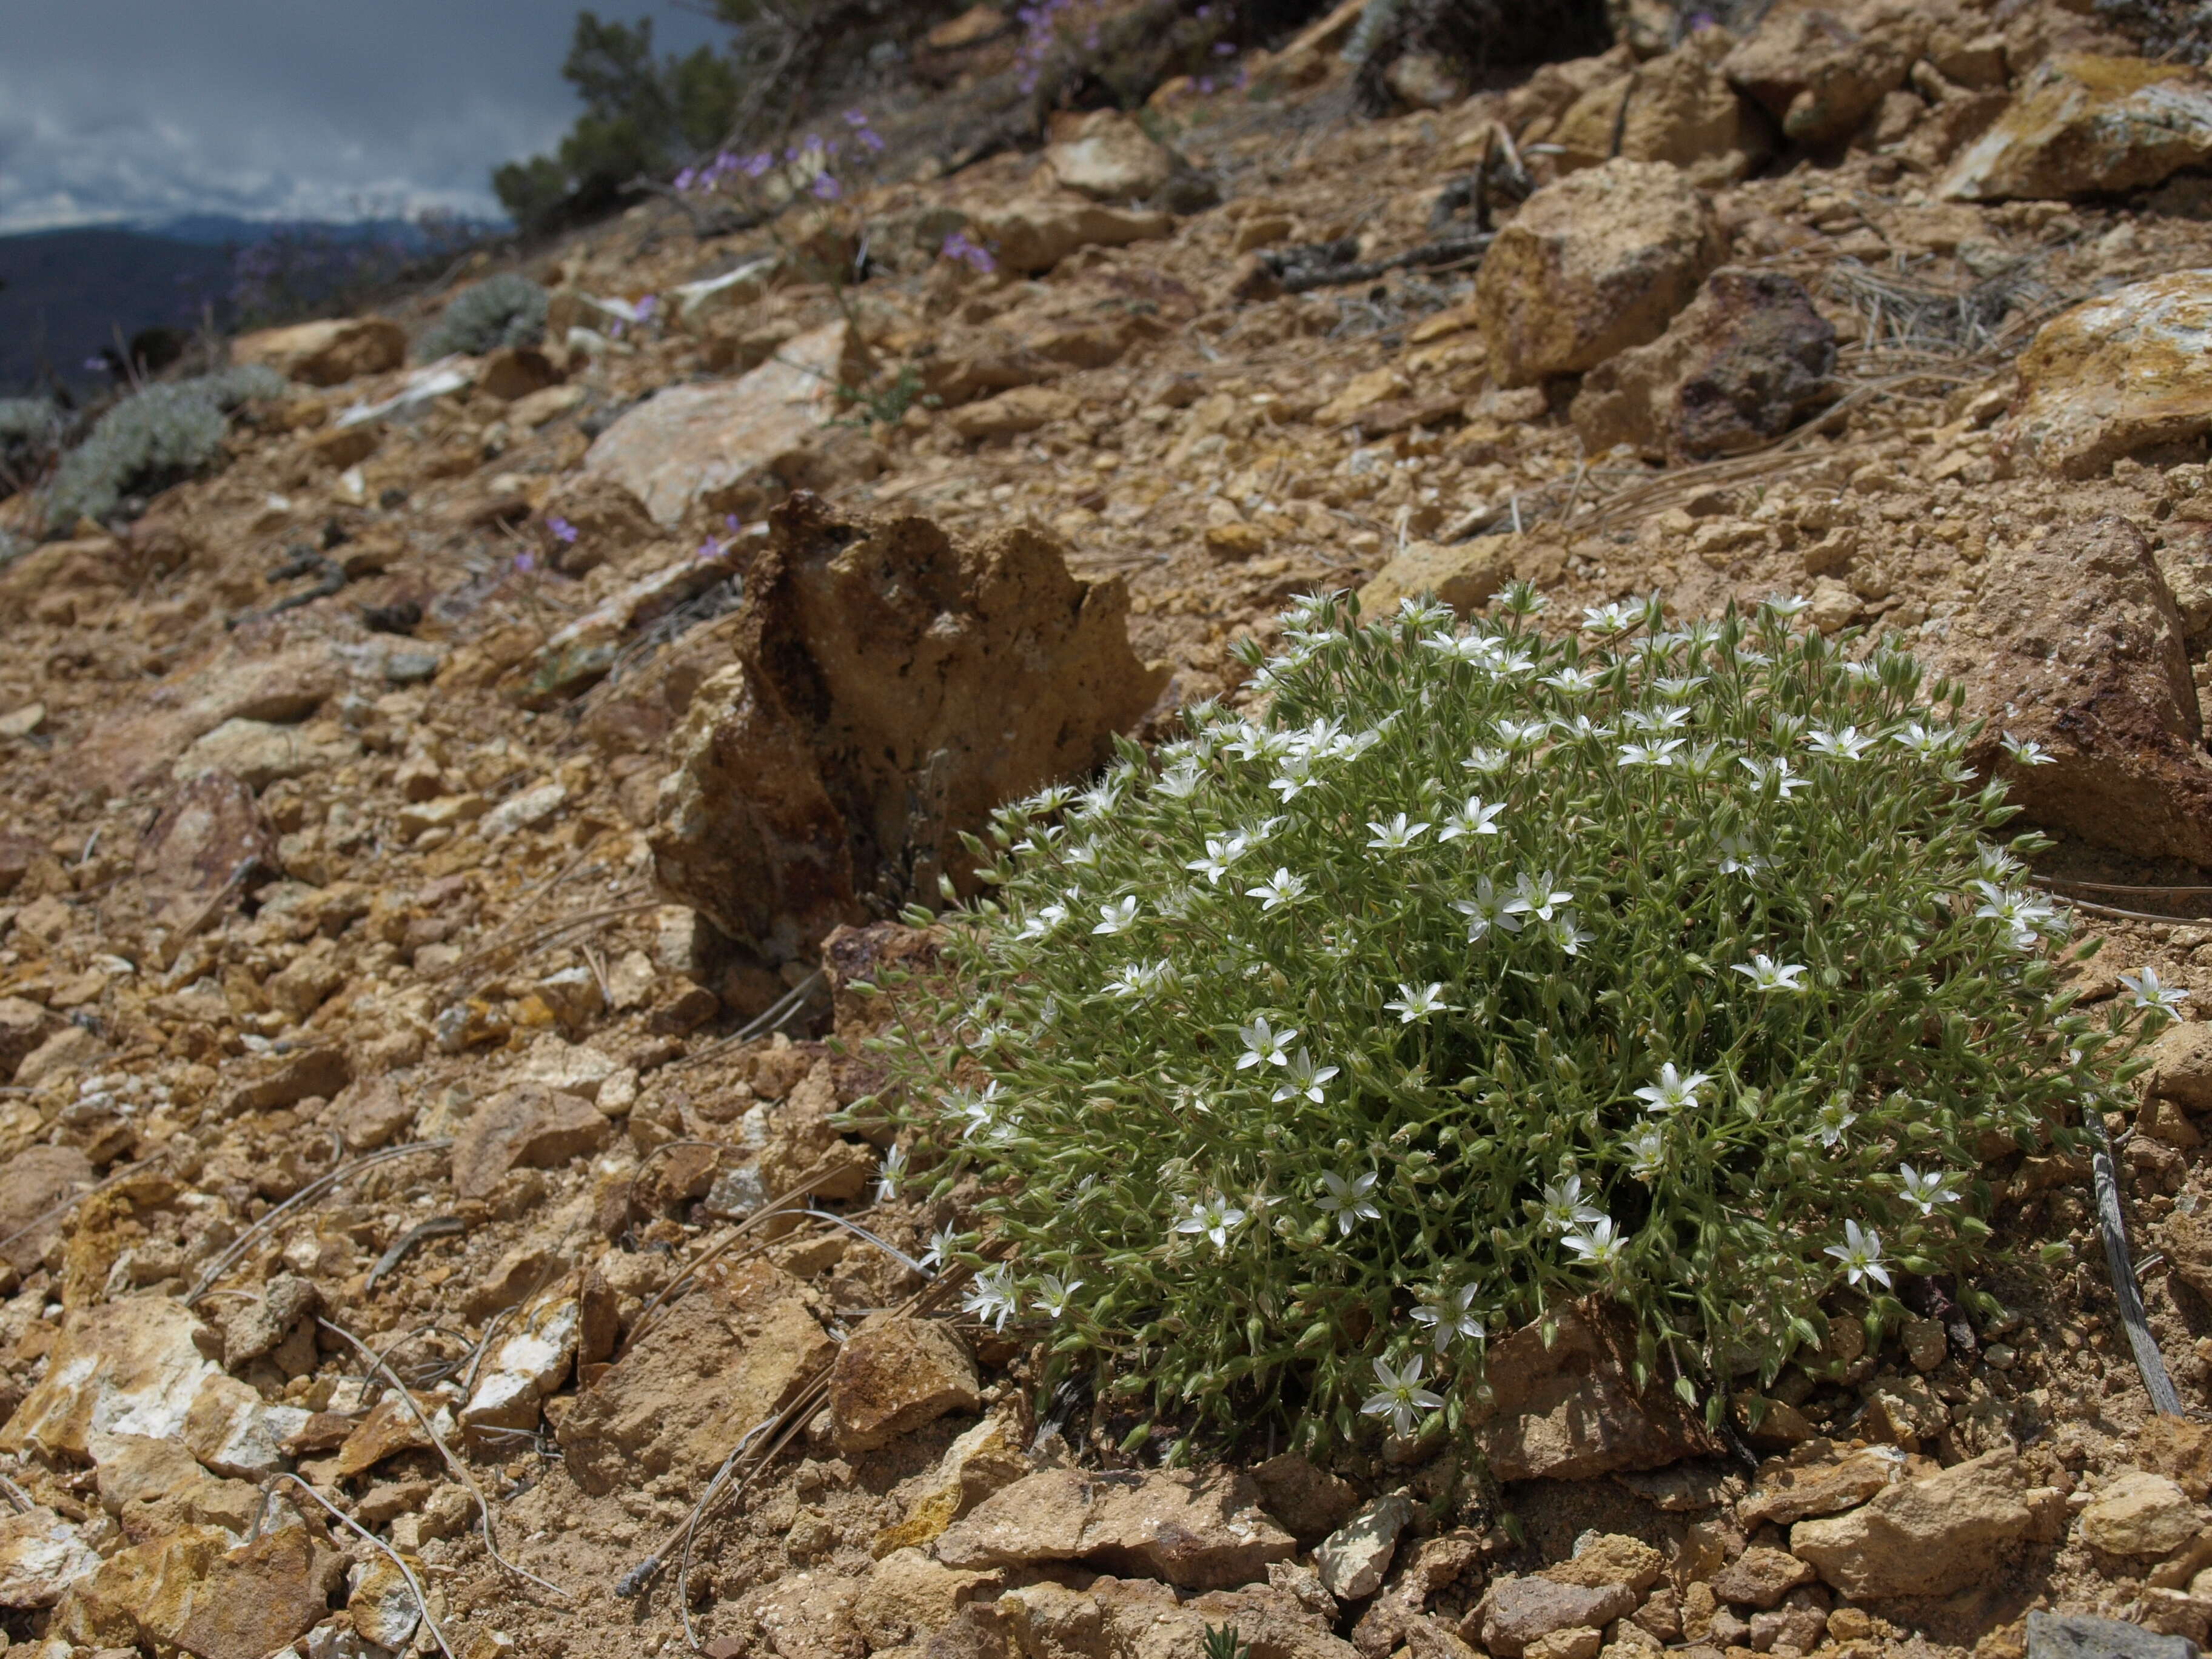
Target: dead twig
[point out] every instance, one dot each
(437, 1227)
(459, 1469)
(414, 1584)
(785, 1204)
(2125, 1291)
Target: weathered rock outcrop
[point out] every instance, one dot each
(891, 688)
(2116, 376)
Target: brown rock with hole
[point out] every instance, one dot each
(1591, 265)
(1749, 359)
(2074, 644)
(1572, 1410)
(870, 655)
(523, 1127)
(895, 1374)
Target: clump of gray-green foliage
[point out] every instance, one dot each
(506, 310)
(156, 437)
(1483, 972)
(30, 428)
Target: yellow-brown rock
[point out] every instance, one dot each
(2116, 376)
(2082, 125)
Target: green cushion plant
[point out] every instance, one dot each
(1483, 972)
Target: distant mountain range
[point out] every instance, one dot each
(65, 295)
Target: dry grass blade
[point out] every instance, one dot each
(460, 1470)
(306, 1194)
(1904, 313)
(538, 938)
(76, 1198)
(16, 1495)
(785, 1204)
(414, 1584)
(769, 1019)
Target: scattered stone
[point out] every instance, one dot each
(2082, 125)
(253, 1328)
(2084, 1636)
(32, 1183)
(390, 1429)
(532, 809)
(987, 1458)
(524, 1368)
(41, 1555)
(2116, 376)
(2139, 1514)
(1761, 1578)
(1109, 158)
(1569, 1410)
(381, 1605)
(325, 353)
(1517, 1612)
(1310, 1501)
(1678, 108)
(725, 445)
(1463, 575)
(1747, 360)
(1791, 1491)
(1355, 1558)
(792, 792)
(1197, 1531)
(369, 1113)
(68, 1049)
(2074, 645)
(895, 1374)
(317, 1072)
(2180, 1449)
(1821, 74)
(1925, 1537)
(1608, 1558)
(133, 1365)
(1010, 413)
(524, 1128)
(907, 1596)
(1031, 237)
(209, 836)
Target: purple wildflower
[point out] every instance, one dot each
(758, 164)
(645, 307)
(525, 562)
(856, 118)
(687, 178)
(563, 532)
(1225, 49)
(826, 187)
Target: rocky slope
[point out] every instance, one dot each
(436, 845)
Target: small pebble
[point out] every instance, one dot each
(2000, 1357)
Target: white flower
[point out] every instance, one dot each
(1280, 889)
(2024, 916)
(1567, 932)
(1474, 648)
(1672, 1090)
(1512, 664)
(1214, 1219)
(1423, 613)
(981, 1111)
(1347, 1199)
(1564, 1209)
(1394, 836)
(1846, 744)
(941, 1245)
(1925, 1191)
(1044, 922)
(1534, 895)
(1047, 800)
(1766, 975)
(1523, 734)
(1832, 1119)
(1928, 742)
(2028, 753)
(889, 1177)
(1678, 686)
(1776, 772)
(2148, 992)
(1486, 910)
(1861, 1255)
(1303, 1077)
(1100, 798)
(1706, 760)
(1647, 1150)
(1295, 778)
(1582, 726)
(1399, 1395)
(1573, 682)
(1181, 781)
(1660, 753)
(1487, 760)
(991, 1298)
(1738, 857)
(1614, 618)
(1221, 851)
(1788, 605)
(1142, 978)
(1473, 820)
(1116, 917)
(1449, 1318)
(1255, 743)
(1051, 1296)
(1415, 1003)
(1600, 1246)
(1263, 1044)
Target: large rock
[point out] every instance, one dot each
(325, 353)
(2180, 1065)
(1821, 73)
(1461, 575)
(1572, 1410)
(41, 1555)
(1593, 265)
(2115, 376)
(713, 1369)
(1678, 108)
(210, 835)
(1747, 360)
(2074, 645)
(524, 1368)
(263, 753)
(1031, 237)
(896, 1374)
(1791, 1491)
(730, 445)
(2085, 1636)
(154, 1487)
(1109, 158)
(1353, 1560)
(135, 747)
(2082, 125)
(1197, 1531)
(191, 1591)
(892, 687)
(1926, 1537)
(33, 1183)
(1118, 1618)
(130, 1366)
(526, 1126)
(1517, 1612)
(987, 1458)
(2139, 1514)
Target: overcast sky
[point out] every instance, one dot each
(144, 110)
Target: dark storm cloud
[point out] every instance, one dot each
(149, 109)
